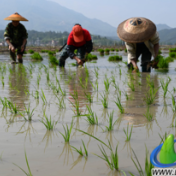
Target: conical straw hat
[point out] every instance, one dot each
(136, 30)
(16, 17)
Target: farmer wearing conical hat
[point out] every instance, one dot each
(140, 37)
(16, 36)
(79, 39)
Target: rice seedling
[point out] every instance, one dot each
(37, 56)
(61, 102)
(88, 97)
(87, 71)
(75, 104)
(126, 95)
(63, 92)
(12, 107)
(101, 51)
(151, 95)
(131, 85)
(148, 165)
(104, 100)
(80, 150)
(51, 53)
(48, 122)
(107, 84)
(67, 132)
(128, 133)
(30, 51)
(164, 85)
(92, 118)
(96, 72)
(112, 49)
(111, 124)
(112, 161)
(119, 105)
(38, 79)
(115, 58)
(163, 138)
(48, 76)
(170, 59)
(28, 112)
(150, 82)
(163, 63)
(172, 54)
(148, 115)
(29, 170)
(173, 104)
(4, 102)
(172, 50)
(43, 97)
(53, 60)
(90, 57)
(174, 89)
(120, 72)
(36, 95)
(107, 51)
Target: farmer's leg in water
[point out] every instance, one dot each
(64, 55)
(133, 65)
(146, 58)
(13, 55)
(81, 53)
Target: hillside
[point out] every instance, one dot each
(45, 15)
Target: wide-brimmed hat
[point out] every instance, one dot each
(15, 17)
(78, 34)
(136, 30)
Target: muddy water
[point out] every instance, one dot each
(47, 152)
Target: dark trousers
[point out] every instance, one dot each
(81, 51)
(13, 55)
(146, 57)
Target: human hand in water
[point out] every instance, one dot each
(12, 48)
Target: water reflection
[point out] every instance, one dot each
(48, 137)
(79, 84)
(67, 151)
(18, 84)
(79, 160)
(27, 129)
(136, 108)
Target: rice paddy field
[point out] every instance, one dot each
(47, 113)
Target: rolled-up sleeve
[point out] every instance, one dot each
(155, 39)
(131, 50)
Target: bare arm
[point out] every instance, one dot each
(11, 47)
(134, 63)
(79, 61)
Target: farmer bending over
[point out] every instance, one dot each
(79, 39)
(140, 37)
(16, 37)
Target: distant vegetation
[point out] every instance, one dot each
(60, 38)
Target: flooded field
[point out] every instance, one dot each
(65, 95)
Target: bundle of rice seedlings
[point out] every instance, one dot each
(36, 56)
(115, 58)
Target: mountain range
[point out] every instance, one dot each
(46, 15)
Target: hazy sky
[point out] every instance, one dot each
(116, 11)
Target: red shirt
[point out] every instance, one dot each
(87, 37)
